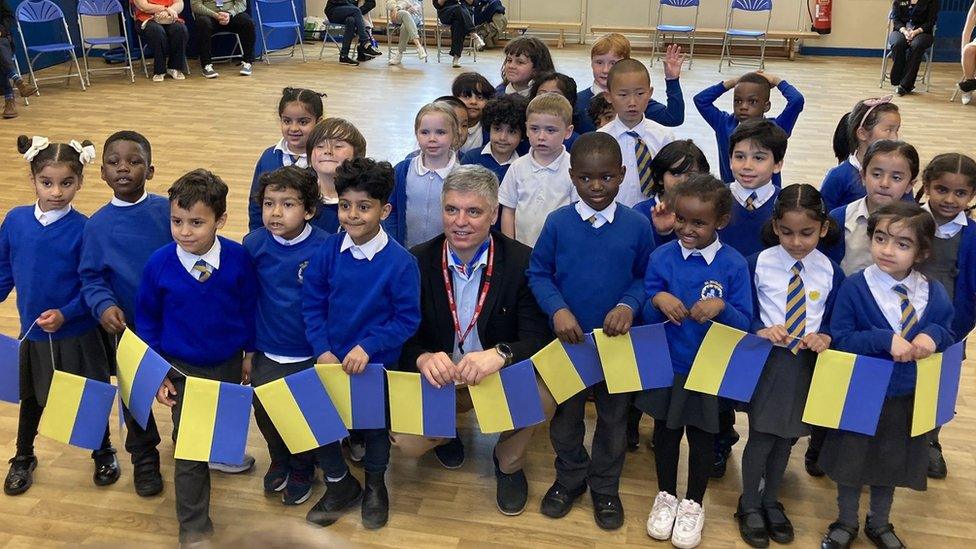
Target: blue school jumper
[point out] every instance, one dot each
(271, 159)
(645, 208)
(475, 156)
(842, 185)
(326, 218)
(837, 252)
(670, 115)
(744, 231)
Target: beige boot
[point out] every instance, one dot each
(25, 88)
(9, 108)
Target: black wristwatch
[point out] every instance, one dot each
(505, 352)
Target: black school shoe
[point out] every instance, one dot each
(608, 511)
(376, 502)
(778, 525)
(937, 464)
(20, 476)
(558, 501)
(511, 491)
(883, 537)
(838, 536)
(346, 60)
(810, 463)
(147, 479)
(451, 455)
(106, 467)
(339, 497)
(276, 479)
(752, 526)
(723, 449)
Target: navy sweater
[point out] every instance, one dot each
(116, 246)
(201, 323)
(590, 270)
(691, 280)
(42, 263)
(860, 327)
(374, 304)
(475, 156)
(271, 159)
(279, 327)
(842, 185)
(671, 115)
(645, 208)
(744, 231)
(395, 224)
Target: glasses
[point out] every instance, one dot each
(871, 105)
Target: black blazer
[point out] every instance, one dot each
(926, 14)
(510, 315)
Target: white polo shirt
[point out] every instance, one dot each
(535, 191)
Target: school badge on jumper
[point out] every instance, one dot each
(301, 271)
(712, 288)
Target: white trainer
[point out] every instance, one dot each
(422, 53)
(967, 98)
(395, 58)
(661, 520)
(175, 74)
(688, 525)
(479, 43)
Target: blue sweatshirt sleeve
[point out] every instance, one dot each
(253, 208)
(673, 114)
(94, 285)
(655, 282)
(405, 303)
(705, 103)
(542, 272)
(939, 313)
(635, 296)
(315, 300)
(75, 308)
(831, 299)
(843, 324)
(794, 106)
(149, 307)
(738, 299)
(6, 268)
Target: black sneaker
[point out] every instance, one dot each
(20, 476)
(376, 502)
(299, 485)
(937, 463)
(147, 480)
(778, 525)
(752, 526)
(276, 478)
(608, 511)
(838, 536)
(884, 537)
(511, 491)
(362, 54)
(451, 455)
(371, 51)
(346, 60)
(559, 500)
(723, 449)
(967, 86)
(810, 459)
(106, 467)
(901, 91)
(339, 497)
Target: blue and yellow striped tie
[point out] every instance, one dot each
(643, 155)
(908, 316)
(796, 308)
(203, 268)
(751, 202)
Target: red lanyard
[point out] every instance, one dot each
(481, 297)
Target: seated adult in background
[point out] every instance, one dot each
(8, 70)
(490, 19)
(348, 13)
(913, 24)
(462, 342)
(455, 13)
(968, 83)
(160, 25)
(214, 16)
(409, 15)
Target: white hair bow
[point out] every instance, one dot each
(38, 144)
(86, 153)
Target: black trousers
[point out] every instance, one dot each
(667, 447)
(168, 44)
(352, 18)
(906, 58)
(264, 370)
(7, 68)
(239, 24)
(461, 22)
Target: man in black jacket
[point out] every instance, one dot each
(489, 320)
(8, 70)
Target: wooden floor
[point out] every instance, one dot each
(224, 125)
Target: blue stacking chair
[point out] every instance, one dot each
(332, 33)
(886, 55)
(268, 27)
(46, 11)
(731, 32)
(663, 29)
(104, 8)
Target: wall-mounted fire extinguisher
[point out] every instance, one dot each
(820, 16)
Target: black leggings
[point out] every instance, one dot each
(667, 445)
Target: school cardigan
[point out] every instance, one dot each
(201, 323)
(744, 231)
(672, 114)
(859, 327)
(117, 243)
(842, 185)
(42, 263)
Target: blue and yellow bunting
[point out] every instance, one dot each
(637, 360)
(9, 369)
(508, 399)
(847, 392)
(360, 399)
(419, 408)
(213, 421)
(77, 410)
(729, 363)
(141, 371)
(936, 389)
(302, 411)
(569, 369)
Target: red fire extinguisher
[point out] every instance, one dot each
(820, 16)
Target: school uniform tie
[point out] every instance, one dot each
(751, 202)
(908, 316)
(591, 220)
(643, 155)
(796, 308)
(204, 269)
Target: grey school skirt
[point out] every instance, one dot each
(777, 404)
(680, 407)
(89, 355)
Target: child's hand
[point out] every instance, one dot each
(817, 343)
(50, 320)
(618, 321)
(707, 309)
(671, 306)
(355, 361)
(776, 334)
(673, 58)
(437, 368)
(328, 358)
(901, 349)
(163, 395)
(113, 320)
(731, 82)
(566, 327)
(924, 346)
(662, 218)
(246, 366)
(773, 80)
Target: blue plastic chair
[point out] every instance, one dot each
(268, 27)
(731, 32)
(665, 29)
(46, 11)
(104, 8)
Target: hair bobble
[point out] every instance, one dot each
(38, 144)
(86, 153)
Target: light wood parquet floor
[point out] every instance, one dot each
(224, 125)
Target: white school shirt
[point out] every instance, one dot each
(50, 216)
(950, 228)
(535, 191)
(881, 283)
(466, 290)
(475, 139)
(368, 250)
(741, 194)
(302, 158)
(124, 204)
(603, 216)
(772, 280)
(513, 158)
(188, 260)
(654, 135)
(857, 245)
(510, 89)
(707, 253)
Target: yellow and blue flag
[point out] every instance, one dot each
(419, 408)
(508, 399)
(9, 369)
(936, 389)
(729, 363)
(847, 392)
(141, 372)
(569, 369)
(213, 421)
(637, 360)
(302, 411)
(77, 410)
(359, 399)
